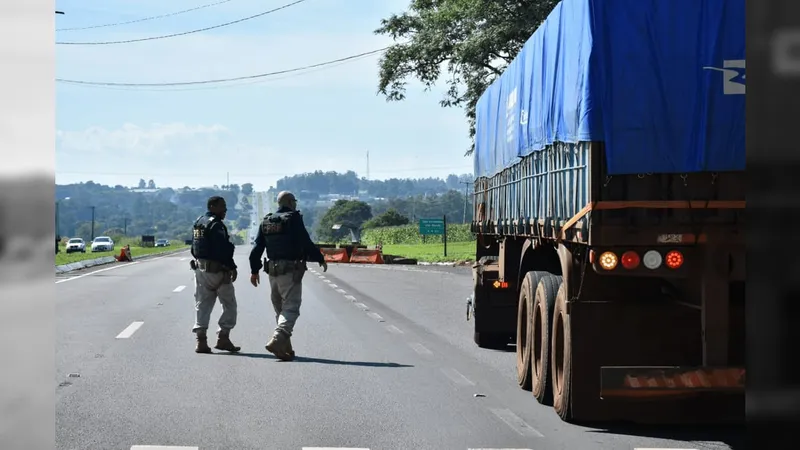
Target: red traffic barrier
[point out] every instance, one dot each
(336, 255)
(363, 256)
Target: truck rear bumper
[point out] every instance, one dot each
(653, 382)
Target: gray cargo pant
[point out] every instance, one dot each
(209, 286)
(286, 285)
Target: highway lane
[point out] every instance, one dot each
(383, 363)
(430, 302)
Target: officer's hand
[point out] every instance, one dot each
(324, 266)
(254, 279)
(234, 274)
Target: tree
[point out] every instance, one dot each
(476, 38)
(351, 214)
(247, 189)
(243, 222)
(151, 184)
(142, 184)
(390, 218)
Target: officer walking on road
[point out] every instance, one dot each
(283, 235)
(214, 274)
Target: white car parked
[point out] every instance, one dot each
(76, 245)
(102, 244)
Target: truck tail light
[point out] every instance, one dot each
(630, 260)
(674, 259)
(608, 261)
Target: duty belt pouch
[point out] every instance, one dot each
(210, 266)
(276, 268)
(266, 266)
(299, 270)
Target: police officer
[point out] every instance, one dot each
(283, 235)
(214, 274)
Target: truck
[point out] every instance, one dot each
(609, 200)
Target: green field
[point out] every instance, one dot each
(63, 258)
(456, 251)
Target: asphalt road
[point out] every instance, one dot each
(385, 361)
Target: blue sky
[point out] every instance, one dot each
(325, 119)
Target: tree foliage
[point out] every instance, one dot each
(473, 40)
(390, 218)
(351, 214)
(165, 213)
(310, 186)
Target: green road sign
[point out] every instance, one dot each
(430, 227)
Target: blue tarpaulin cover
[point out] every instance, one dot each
(661, 82)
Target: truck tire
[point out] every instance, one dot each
(527, 292)
(561, 356)
(541, 327)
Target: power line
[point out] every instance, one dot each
(152, 38)
(207, 87)
(223, 80)
(146, 18)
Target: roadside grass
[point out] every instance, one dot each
(136, 250)
(456, 251)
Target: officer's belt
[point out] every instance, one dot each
(207, 265)
(282, 266)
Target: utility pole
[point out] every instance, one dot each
(367, 165)
(125, 226)
(466, 194)
(92, 222)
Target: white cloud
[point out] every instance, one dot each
(135, 140)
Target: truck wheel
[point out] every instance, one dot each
(561, 352)
(525, 310)
(543, 306)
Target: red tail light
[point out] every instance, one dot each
(630, 260)
(674, 259)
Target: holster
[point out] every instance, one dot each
(206, 265)
(283, 267)
(193, 264)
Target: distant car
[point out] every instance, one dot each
(102, 244)
(162, 243)
(76, 245)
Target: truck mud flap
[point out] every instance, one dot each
(653, 382)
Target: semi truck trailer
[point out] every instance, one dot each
(609, 200)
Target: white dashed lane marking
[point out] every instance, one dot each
(419, 348)
(517, 424)
(351, 298)
(179, 288)
(362, 306)
(456, 377)
(333, 285)
(376, 316)
(128, 332)
(394, 329)
(341, 291)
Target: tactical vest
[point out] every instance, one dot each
(278, 236)
(201, 247)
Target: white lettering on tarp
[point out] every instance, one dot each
(733, 72)
(511, 118)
